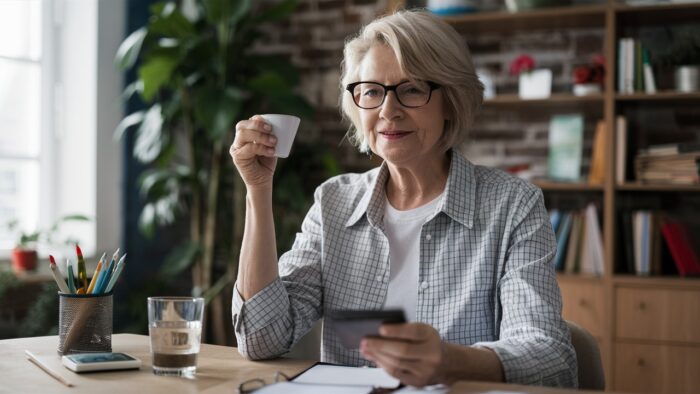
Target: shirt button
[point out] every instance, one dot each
(428, 237)
(424, 285)
(380, 278)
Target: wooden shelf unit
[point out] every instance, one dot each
(634, 359)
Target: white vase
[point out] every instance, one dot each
(536, 84)
(687, 79)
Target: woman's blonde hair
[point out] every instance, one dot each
(428, 49)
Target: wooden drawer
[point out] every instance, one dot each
(583, 304)
(656, 368)
(658, 314)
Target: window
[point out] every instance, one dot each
(21, 112)
(59, 105)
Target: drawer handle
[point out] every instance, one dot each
(640, 362)
(582, 302)
(642, 306)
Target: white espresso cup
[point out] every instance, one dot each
(284, 127)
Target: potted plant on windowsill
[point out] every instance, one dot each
(24, 254)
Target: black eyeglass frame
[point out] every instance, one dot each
(391, 88)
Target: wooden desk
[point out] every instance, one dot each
(220, 369)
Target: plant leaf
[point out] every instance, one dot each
(292, 104)
(147, 223)
(216, 110)
(155, 73)
(277, 12)
(179, 259)
(269, 83)
(218, 11)
(149, 138)
(171, 23)
(127, 122)
(130, 48)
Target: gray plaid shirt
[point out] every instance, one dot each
(485, 279)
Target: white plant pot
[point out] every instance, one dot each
(585, 89)
(687, 79)
(536, 84)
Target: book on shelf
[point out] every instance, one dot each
(592, 248)
(621, 149)
(571, 264)
(628, 242)
(649, 80)
(596, 174)
(579, 242)
(682, 247)
(562, 240)
(634, 70)
(565, 147)
(653, 243)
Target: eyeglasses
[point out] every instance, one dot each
(251, 385)
(370, 95)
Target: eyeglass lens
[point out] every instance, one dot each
(410, 94)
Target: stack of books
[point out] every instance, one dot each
(676, 163)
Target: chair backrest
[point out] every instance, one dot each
(590, 366)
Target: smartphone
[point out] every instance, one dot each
(353, 325)
(87, 362)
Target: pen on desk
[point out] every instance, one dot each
(117, 270)
(31, 357)
(58, 277)
(71, 279)
(82, 273)
(91, 287)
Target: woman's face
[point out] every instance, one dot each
(400, 135)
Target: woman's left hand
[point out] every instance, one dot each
(411, 352)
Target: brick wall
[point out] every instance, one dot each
(314, 36)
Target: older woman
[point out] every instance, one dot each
(465, 250)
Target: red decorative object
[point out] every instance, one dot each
(521, 64)
(24, 260)
(593, 72)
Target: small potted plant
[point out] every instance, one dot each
(589, 78)
(532, 83)
(24, 255)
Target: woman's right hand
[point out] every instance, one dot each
(253, 152)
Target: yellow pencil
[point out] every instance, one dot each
(95, 275)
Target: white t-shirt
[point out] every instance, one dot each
(403, 229)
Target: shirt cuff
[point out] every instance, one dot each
(514, 368)
(260, 310)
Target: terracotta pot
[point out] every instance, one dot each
(24, 259)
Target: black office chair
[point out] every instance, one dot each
(590, 366)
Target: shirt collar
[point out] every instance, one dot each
(458, 202)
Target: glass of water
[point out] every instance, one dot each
(175, 329)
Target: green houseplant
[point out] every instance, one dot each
(24, 255)
(197, 75)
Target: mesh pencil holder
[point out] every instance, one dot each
(84, 323)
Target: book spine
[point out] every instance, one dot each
(649, 82)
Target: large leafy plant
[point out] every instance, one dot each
(197, 75)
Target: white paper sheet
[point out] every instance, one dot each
(311, 388)
(336, 375)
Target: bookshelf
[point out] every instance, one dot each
(641, 322)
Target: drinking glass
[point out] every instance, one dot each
(175, 329)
